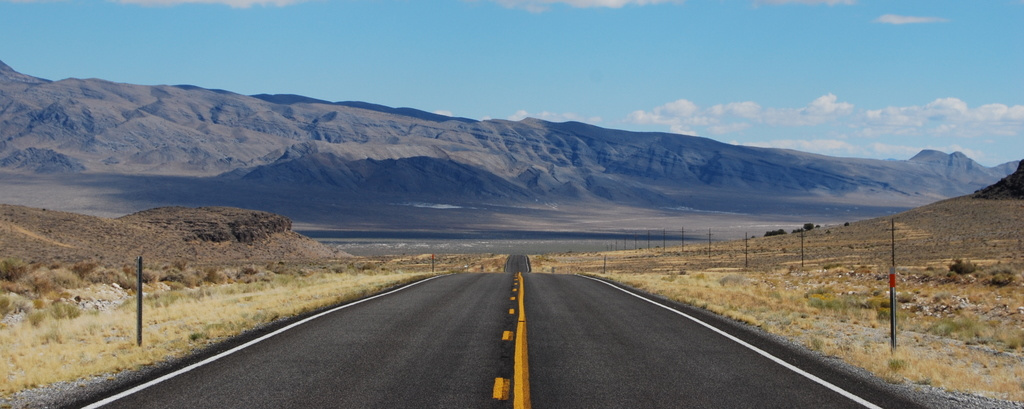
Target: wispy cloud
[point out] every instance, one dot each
(835, 127)
(898, 20)
(240, 4)
(808, 2)
(543, 5)
(683, 116)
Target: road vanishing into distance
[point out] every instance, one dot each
(460, 341)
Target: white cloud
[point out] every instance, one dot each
(554, 117)
(898, 20)
(830, 126)
(819, 111)
(950, 117)
(241, 4)
(683, 116)
(443, 112)
(947, 117)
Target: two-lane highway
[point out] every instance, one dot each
(446, 343)
(593, 346)
(436, 344)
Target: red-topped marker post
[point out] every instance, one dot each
(892, 290)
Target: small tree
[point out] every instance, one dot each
(778, 232)
(808, 226)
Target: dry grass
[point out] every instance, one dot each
(54, 344)
(960, 327)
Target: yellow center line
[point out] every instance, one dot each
(501, 389)
(521, 375)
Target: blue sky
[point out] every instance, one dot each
(859, 78)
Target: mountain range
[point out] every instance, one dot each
(109, 149)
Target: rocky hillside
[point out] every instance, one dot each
(132, 147)
(203, 235)
(1010, 187)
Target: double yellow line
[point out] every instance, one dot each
(521, 371)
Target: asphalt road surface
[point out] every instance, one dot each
(438, 344)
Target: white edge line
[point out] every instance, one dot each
(777, 360)
(241, 347)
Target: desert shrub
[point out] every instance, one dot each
(104, 276)
(877, 302)
(964, 328)
(256, 277)
(732, 279)
(187, 278)
(1002, 276)
(1002, 279)
(6, 305)
(36, 317)
(17, 288)
(778, 232)
(42, 282)
(84, 268)
(61, 311)
(152, 276)
(808, 226)
(962, 267)
(1014, 339)
(213, 275)
(164, 299)
(829, 301)
(12, 269)
(248, 271)
(181, 265)
(65, 279)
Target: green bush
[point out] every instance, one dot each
(778, 232)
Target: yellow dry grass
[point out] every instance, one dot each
(175, 323)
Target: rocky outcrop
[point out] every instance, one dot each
(215, 224)
(203, 235)
(1010, 187)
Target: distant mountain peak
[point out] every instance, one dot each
(8, 74)
(930, 155)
